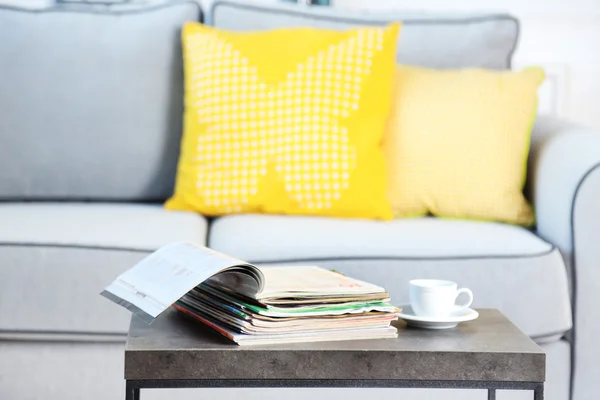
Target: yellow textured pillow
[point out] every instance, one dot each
(457, 143)
(286, 121)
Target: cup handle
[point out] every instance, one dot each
(467, 291)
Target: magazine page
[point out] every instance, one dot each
(311, 281)
(159, 280)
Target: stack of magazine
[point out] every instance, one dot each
(254, 305)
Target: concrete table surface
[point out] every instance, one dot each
(489, 348)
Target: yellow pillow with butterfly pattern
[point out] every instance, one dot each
(285, 121)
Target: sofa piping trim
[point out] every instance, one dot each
(392, 258)
(413, 21)
(121, 336)
(52, 332)
(573, 333)
(560, 333)
(75, 246)
(70, 8)
(358, 258)
(61, 336)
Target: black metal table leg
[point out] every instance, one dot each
(538, 392)
(131, 392)
(133, 387)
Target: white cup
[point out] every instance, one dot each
(436, 298)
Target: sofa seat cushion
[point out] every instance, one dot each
(507, 267)
(56, 258)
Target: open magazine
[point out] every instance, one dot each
(254, 304)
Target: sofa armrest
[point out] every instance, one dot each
(562, 156)
(564, 183)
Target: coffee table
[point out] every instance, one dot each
(488, 353)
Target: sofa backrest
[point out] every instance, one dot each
(91, 97)
(91, 101)
(430, 40)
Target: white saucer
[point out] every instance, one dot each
(450, 321)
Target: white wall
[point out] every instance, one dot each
(563, 36)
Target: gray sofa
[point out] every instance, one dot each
(91, 100)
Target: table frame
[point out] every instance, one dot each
(132, 391)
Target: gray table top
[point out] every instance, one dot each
(490, 348)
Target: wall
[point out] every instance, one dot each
(561, 36)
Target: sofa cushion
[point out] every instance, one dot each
(55, 259)
(93, 109)
(138, 227)
(461, 152)
(507, 267)
(429, 40)
(241, 153)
